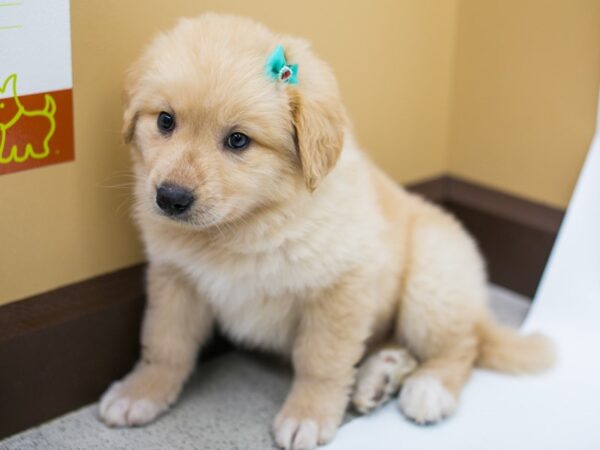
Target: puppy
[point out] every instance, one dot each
(260, 215)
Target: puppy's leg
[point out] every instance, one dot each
(380, 375)
(330, 341)
(176, 322)
(443, 299)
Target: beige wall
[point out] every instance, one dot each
(69, 222)
(498, 91)
(525, 94)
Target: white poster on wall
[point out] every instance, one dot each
(36, 113)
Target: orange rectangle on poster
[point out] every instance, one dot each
(35, 130)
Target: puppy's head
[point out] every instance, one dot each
(214, 138)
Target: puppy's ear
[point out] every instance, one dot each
(129, 121)
(317, 113)
(130, 109)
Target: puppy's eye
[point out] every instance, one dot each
(237, 141)
(165, 122)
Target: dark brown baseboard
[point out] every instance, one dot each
(60, 350)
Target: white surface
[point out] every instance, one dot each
(35, 43)
(556, 411)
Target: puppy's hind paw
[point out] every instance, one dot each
(379, 378)
(425, 400)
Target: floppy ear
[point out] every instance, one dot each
(129, 121)
(130, 109)
(318, 115)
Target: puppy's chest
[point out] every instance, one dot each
(257, 298)
(260, 322)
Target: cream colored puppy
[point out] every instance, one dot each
(261, 216)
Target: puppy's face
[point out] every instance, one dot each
(214, 138)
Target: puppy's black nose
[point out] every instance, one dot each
(174, 200)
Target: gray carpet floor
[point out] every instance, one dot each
(227, 405)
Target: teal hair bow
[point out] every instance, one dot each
(278, 69)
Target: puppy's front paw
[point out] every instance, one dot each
(303, 433)
(117, 409)
(138, 399)
(425, 400)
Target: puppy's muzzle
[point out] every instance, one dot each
(174, 200)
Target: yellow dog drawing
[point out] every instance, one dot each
(20, 150)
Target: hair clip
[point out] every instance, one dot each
(278, 69)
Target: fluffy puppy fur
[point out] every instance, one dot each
(297, 244)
